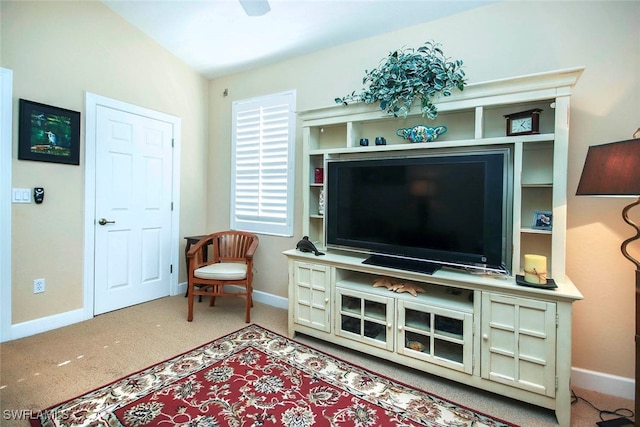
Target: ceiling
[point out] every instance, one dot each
(217, 37)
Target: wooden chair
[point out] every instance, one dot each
(231, 263)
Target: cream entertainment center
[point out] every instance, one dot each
(469, 322)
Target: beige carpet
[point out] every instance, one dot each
(45, 369)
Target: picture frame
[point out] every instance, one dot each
(48, 133)
(542, 220)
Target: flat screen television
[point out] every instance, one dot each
(421, 213)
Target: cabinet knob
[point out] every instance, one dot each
(399, 327)
(485, 337)
(389, 325)
(326, 300)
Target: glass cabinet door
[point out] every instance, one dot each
(365, 318)
(436, 335)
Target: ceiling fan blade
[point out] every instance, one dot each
(255, 7)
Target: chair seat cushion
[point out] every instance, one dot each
(222, 271)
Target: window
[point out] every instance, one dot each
(263, 135)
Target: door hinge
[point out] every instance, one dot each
(171, 206)
(557, 320)
(556, 383)
(172, 142)
(171, 268)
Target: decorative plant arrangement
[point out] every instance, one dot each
(409, 73)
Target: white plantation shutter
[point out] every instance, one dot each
(263, 133)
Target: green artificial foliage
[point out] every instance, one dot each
(423, 73)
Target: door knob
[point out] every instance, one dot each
(103, 221)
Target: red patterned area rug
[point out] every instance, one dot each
(254, 377)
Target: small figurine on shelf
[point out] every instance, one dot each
(421, 133)
(321, 203)
(305, 245)
(398, 287)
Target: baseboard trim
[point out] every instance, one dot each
(44, 324)
(258, 296)
(603, 383)
(583, 378)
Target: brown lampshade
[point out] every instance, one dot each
(611, 170)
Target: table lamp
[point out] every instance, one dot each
(614, 170)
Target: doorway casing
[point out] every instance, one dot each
(6, 144)
(92, 101)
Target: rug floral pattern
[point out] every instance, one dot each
(254, 377)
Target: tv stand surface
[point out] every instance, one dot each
(407, 264)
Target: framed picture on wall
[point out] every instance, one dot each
(48, 134)
(542, 220)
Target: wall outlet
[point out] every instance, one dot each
(38, 286)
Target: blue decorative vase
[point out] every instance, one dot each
(421, 133)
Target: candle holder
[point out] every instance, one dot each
(535, 273)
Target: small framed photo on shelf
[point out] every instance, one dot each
(48, 133)
(542, 220)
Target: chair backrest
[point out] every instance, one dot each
(233, 245)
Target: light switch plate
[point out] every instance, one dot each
(21, 195)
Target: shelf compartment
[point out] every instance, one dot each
(534, 198)
(536, 242)
(494, 123)
(436, 295)
(460, 126)
(327, 137)
(537, 164)
(315, 162)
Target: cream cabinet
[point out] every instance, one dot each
(435, 335)
(519, 342)
(312, 296)
(365, 317)
(481, 330)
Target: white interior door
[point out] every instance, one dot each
(133, 209)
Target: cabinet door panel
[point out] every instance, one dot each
(519, 342)
(435, 335)
(365, 318)
(312, 296)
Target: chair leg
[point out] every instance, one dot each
(190, 304)
(247, 316)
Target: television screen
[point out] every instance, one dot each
(445, 209)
